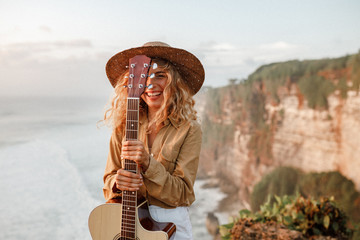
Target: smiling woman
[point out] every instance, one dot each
(167, 140)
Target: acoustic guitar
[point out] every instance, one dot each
(130, 219)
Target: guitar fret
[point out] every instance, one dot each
(130, 195)
(128, 223)
(129, 212)
(128, 206)
(131, 163)
(129, 218)
(128, 228)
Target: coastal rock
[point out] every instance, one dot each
(304, 138)
(212, 224)
(247, 229)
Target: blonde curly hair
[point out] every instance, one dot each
(178, 101)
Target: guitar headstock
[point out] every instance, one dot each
(138, 73)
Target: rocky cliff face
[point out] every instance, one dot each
(291, 134)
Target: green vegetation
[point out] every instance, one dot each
(316, 89)
(216, 133)
(281, 181)
(334, 184)
(289, 181)
(343, 88)
(355, 77)
(309, 216)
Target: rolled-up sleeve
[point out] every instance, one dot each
(176, 188)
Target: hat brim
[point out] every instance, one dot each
(189, 66)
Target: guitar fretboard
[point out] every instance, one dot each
(129, 198)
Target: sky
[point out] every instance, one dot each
(60, 48)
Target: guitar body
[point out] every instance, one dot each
(105, 224)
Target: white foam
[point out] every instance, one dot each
(42, 194)
(207, 200)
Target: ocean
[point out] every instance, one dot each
(52, 158)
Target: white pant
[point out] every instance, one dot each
(179, 216)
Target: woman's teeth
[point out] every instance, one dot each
(153, 94)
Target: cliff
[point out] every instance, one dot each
(304, 114)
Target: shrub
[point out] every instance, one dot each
(281, 181)
(308, 216)
(334, 184)
(316, 89)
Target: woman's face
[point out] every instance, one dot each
(154, 97)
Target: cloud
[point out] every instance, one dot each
(56, 77)
(23, 52)
(280, 45)
(225, 60)
(55, 68)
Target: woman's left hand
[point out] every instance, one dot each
(135, 150)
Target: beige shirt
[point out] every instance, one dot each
(174, 159)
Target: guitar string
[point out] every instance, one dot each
(134, 103)
(123, 220)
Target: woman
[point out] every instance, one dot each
(169, 136)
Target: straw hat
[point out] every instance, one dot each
(189, 66)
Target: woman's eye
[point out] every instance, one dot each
(161, 75)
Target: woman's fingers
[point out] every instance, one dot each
(126, 180)
(133, 144)
(135, 150)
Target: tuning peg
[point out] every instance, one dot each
(142, 75)
(146, 65)
(132, 65)
(150, 86)
(131, 75)
(152, 75)
(154, 66)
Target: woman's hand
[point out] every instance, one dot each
(135, 150)
(128, 181)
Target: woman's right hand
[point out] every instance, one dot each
(128, 181)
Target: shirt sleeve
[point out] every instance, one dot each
(176, 189)
(112, 165)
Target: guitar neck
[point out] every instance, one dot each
(132, 119)
(129, 198)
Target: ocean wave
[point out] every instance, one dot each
(43, 194)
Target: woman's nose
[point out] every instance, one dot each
(150, 78)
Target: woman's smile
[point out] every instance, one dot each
(154, 97)
(153, 94)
